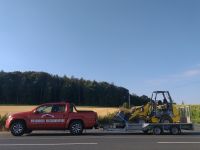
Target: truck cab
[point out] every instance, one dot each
(52, 116)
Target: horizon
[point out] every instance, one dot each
(142, 46)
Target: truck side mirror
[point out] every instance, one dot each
(35, 112)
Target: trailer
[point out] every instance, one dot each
(151, 128)
(120, 124)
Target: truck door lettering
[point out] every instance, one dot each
(55, 120)
(37, 120)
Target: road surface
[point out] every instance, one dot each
(99, 141)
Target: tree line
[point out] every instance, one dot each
(41, 87)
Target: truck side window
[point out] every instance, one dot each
(58, 109)
(44, 109)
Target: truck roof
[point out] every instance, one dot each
(53, 103)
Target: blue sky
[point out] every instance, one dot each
(138, 44)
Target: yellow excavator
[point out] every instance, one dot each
(160, 109)
(159, 115)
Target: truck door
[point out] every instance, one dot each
(37, 119)
(56, 119)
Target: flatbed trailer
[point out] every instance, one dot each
(151, 128)
(172, 128)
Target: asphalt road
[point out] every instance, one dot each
(99, 141)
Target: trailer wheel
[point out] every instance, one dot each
(175, 130)
(76, 127)
(157, 130)
(17, 128)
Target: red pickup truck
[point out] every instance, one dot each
(52, 116)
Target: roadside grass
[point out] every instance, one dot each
(104, 120)
(195, 113)
(3, 122)
(14, 109)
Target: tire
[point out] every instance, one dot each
(166, 119)
(157, 131)
(76, 127)
(18, 128)
(175, 130)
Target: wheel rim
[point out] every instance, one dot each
(157, 131)
(18, 128)
(76, 128)
(174, 130)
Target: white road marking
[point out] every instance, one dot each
(178, 142)
(56, 144)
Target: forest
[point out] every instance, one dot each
(35, 88)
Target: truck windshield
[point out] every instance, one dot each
(44, 109)
(56, 108)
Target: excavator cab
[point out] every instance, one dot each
(163, 109)
(160, 109)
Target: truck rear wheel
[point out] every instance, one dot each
(76, 127)
(17, 128)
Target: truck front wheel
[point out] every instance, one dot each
(17, 128)
(76, 127)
